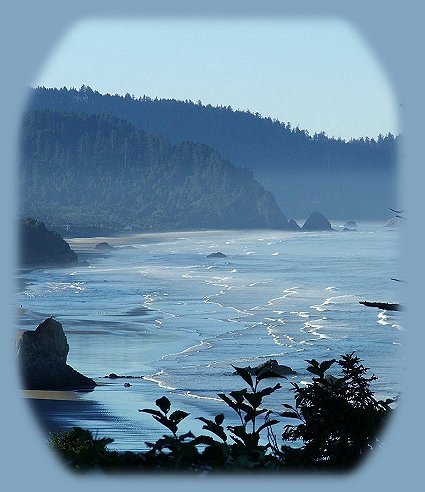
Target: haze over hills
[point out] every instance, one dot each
(98, 170)
(354, 179)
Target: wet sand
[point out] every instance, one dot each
(115, 416)
(88, 243)
(57, 410)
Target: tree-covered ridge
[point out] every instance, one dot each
(91, 169)
(305, 172)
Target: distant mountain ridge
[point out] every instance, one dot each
(89, 169)
(304, 172)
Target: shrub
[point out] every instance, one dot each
(339, 422)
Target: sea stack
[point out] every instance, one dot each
(317, 222)
(104, 246)
(219, 254)
(42, 354)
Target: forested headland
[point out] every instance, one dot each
(343, 179)
(98, 170)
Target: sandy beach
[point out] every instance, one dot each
(88, 243)
(56, 410)
(110, 410)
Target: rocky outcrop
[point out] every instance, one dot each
(395, 222)
(317, 222)
(219, 254)
(42, 355)
(39, 246)
(293, 226)
(388, 306)
(350, 224)
(104, 246)
(113, 375)
(271, 369)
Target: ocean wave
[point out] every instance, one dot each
(202, 345)
(313, 329)
(199, 397)
(387, 319)
(339, 302)
(301, 314)
(155, 378)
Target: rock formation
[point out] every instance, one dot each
(388, 306)
(271, 369)
(293, 226)
(42, 355)
(40, 246)
(219, 254)
(395, 222)
(104, 246)
(350, 224)
(317, 222)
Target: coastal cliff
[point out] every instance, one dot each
(40, 246)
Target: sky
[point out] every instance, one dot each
(320, 75)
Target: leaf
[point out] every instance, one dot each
(219, 419)
(325, 365)
(163, 404)
(166, 423)
(253, 414)
(229, 402)
(315, 370)
(269, 423)
(244, 374)
(269, 391)
(178, 416)
(238, 395)
(213, 427)
(153, 412)
(254, 399)
(249, 439)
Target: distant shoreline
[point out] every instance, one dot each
(88, 243)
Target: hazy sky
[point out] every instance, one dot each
(318, 74)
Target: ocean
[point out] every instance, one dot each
(157, 307)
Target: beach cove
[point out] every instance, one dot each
(157, 308)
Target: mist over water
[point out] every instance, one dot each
(166, 312)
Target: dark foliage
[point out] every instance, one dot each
(340, 418)
(340, 421)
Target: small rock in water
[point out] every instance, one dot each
(271, 369)
(104, 246)
(219, 254)
(317, 222)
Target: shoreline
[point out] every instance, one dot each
(148, 237)
(128, 238)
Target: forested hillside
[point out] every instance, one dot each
(97, 170)
(355, 179)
